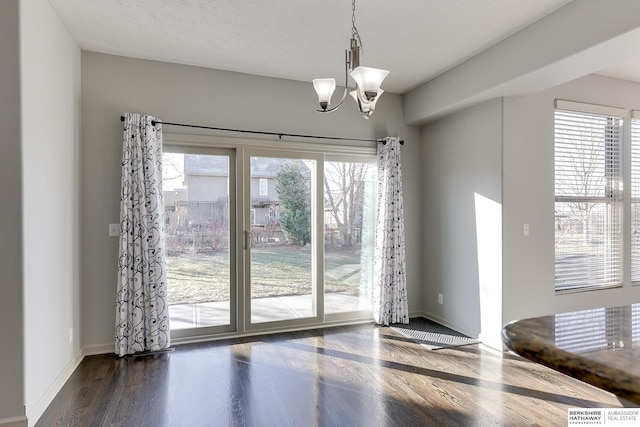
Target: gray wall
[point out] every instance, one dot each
(462, 193)
(50, 142)
(39, 118)
(502, 150)
(11, 305)
(112, 85)
(529, 198)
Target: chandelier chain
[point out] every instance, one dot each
(354, 30)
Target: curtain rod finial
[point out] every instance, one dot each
(384, 141)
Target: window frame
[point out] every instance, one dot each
(634, 196)
(613, 198)
(343, 150)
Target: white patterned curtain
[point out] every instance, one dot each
(142, 314)
(390, 291)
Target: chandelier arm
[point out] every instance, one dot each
(347, 67)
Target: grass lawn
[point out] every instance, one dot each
(275, 271)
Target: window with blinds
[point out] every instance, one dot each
(635, 196)
(588, 196)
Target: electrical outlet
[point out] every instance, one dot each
(525, 229)
(114, 230)
(440, 299)
(70, 335)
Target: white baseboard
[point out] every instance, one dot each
(93, 350)
(417, 314)
(14, 422)
(34, 413)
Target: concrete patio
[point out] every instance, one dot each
(269, 309)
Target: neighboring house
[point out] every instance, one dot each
(206, 194)
(204, 201)
(173, 199)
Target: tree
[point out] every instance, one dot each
(344, 191)
(295, 197)
(588, 172)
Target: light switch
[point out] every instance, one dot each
(525, 229)
(114, 230)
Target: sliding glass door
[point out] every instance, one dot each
(264, 240)
(200, 230)
(282, 252)
(349, 218)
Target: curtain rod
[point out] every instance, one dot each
(278, 134)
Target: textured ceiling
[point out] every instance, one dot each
(301, 39)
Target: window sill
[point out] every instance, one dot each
(588, 289)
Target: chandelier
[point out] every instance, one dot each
(368, 80)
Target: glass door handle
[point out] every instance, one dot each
(248, 240)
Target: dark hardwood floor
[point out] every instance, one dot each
(346, 376)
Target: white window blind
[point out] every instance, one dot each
(588, 199)
(635, 197)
